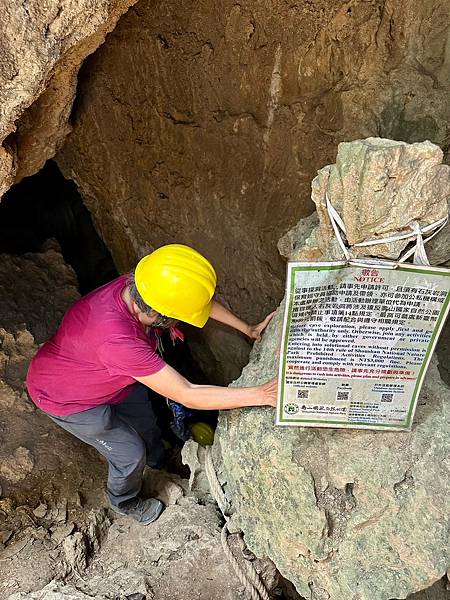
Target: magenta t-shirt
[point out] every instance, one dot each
(94, 356)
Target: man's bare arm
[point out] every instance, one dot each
(169, 383)
(223, 315)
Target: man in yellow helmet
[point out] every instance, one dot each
(85, 376)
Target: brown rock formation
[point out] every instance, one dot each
(42, 46)
(205, 123)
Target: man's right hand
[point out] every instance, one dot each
(270, 392)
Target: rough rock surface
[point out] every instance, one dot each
(41, 467)
(205, 123)
(36, 289)
(42, 45)
(408, 178)
(358, 515)
(178, 558)
(16, 467)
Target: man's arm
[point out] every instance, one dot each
(223, 315)
(169, 383)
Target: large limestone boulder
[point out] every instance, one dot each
(354, 515)
(374, 174)
(42, 45)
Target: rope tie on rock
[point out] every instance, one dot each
(249, 577)
(417, 232)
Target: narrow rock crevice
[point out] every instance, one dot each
(403, 487)
(337, 505)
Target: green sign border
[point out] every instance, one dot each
(423, 368)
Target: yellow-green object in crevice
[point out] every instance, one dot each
(203, 434)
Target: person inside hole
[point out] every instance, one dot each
(92, 377)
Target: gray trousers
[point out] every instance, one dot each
(126, 434)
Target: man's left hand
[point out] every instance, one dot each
(255, 331)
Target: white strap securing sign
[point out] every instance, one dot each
(416, 231)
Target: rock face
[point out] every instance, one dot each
(38, 461)
(36, 290)
(205, 124)
(42, 47)
(178, 558)
(16, 467)
(408, 178)
(358, 515)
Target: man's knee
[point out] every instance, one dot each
(131, 458)
(139, 452)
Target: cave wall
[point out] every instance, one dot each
(204, 123)
(42, 45)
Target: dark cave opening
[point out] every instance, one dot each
(46, 206)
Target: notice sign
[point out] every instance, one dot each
(357, 342)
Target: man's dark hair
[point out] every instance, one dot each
(161, 320)
(136, 297)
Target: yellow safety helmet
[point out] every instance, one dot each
(178, 282)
